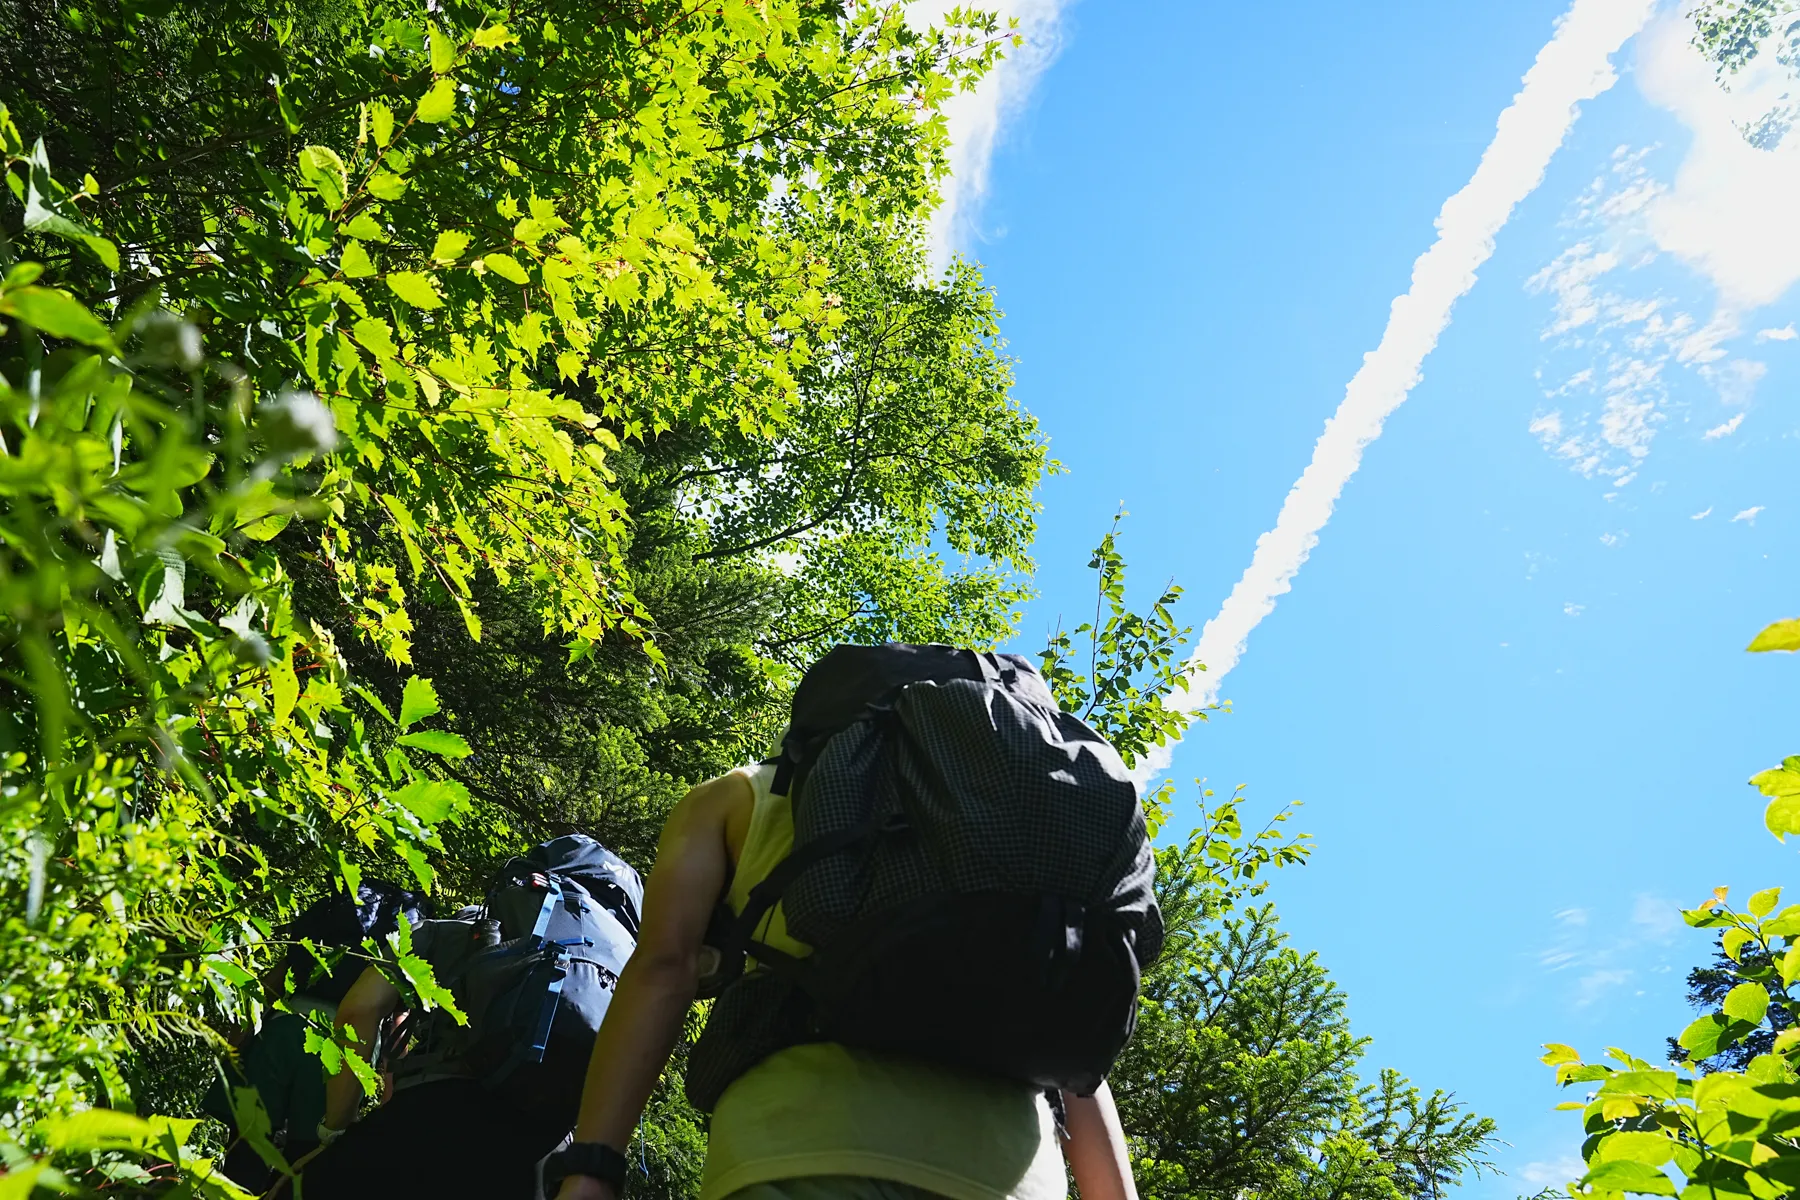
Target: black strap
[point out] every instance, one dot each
(594, 1159)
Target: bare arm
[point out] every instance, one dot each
(1096, 1147)
(368, 1002)
(693, 862)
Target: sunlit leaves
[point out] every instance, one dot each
(418, 290)
(324, 171)
(1782, 635)
(439, 103)
(54, 313)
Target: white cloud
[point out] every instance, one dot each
(1702, 514)
(1593, 987)
(1574, 610)
(978, 119)
(1572, 916)
(1723, 431)
(1557, 1173)
(1726, 213)
(1749, 514)
(1575, 65)
(1657, 918)
(1729, 212)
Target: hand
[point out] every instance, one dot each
(585, 1187)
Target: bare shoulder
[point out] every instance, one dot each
(719, 806)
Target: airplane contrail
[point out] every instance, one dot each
(1575, 65)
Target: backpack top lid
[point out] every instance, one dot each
(605, 875)
(837, 688)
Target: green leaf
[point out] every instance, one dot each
(416, 289)
(1790, 965)
(98, 1129)
(1705, 1036)
(1650, 1149)
(1782, 635)
(418, 972)
(450, 245)
(432, 800)
(494, 35)
(57, 314)
(417, 702)
(1624, 1175)
(323, 170)
(355, 262)
(1764, 902)
(1556, 1054)
(284, 688)
(443, 52)
(445, 745)
(505, 266)
(385, 185)
(1732, 941)
(1746, 1002)
(438, 103)
(381, 123)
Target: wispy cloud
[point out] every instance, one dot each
(1726, 212)
(1749, 515)
(978, 119)
(1602, 957)
(1702, 514)
(1575, 65)
(1724, 431)
(1555, 1173)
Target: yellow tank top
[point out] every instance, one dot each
(826, 1109)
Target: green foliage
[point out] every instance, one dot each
(1731, 33)
(1724, 1111)
(425, 430)
(1133, 662)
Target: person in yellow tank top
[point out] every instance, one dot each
(819, 1121)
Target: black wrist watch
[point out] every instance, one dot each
(594, 1159)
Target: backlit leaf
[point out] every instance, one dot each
(1782, 635)
(355, 262)
(1746, 1002)
(505, 266)
(323, 170)
(438, 103)
(417, 290)
(450, 245)
(445, 745)
(432, 800)
(55, 313)
(417, 702)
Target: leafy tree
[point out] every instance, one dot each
(1725, 1115)
(360, 344)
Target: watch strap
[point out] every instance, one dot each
(594, 1159)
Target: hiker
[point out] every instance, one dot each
(475, 1107)
(937, 905)
(273, 1058)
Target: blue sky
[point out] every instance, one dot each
(1509, 685)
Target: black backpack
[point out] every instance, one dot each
(534, 972)
(970, 868)
(338, 922)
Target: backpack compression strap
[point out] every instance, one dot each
(556, 963)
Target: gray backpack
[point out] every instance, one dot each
(533, 970)
(970, 868)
